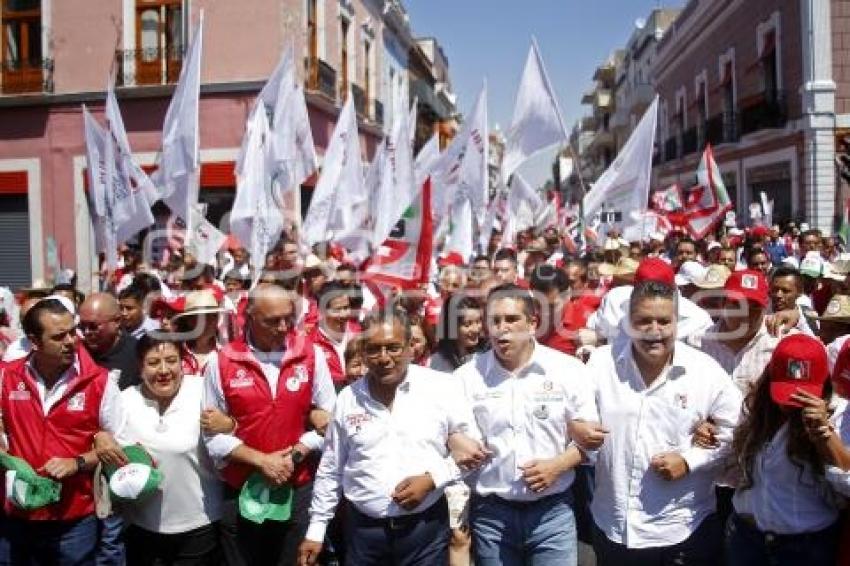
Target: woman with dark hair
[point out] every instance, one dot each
(178, 523)
(460, 333)
(785, 510)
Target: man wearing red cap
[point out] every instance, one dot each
(739, 340)
(606, 320)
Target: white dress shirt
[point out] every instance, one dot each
(632, 504)
(787, 500)
(324, 396)
(371, 448)
(745, 366)
(522, 416)
(190, 494)
(608, 320)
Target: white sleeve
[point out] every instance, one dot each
(111, 409)
(219, 446)
(725, 411)
(324, 394)
(327, 488)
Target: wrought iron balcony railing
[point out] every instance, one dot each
(26, 77)
(149, 66)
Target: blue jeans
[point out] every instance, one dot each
(110, 550)
(53, 543)
(513, 533)
(746, 545)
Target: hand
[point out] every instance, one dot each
(273, 468)
(289, 465)
(669, 465)
(781, 322)
(308, 552)
(541, 474)
(588, 435)
(319, 419)
(469, 454)
(59, 468)
(410, 492)
(214, 421)
(705, 435)
(815, 415)
(108, 451)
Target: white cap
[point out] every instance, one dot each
(689, 272)
(713, 245)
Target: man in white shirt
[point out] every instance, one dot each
(523, 396)
(654, 499)
(386, 453)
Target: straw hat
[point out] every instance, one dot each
(714, 277)
(200, 302)
(837, 310)
(625, 268)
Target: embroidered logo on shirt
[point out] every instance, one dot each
(293, 383)
(77, 402)
(548, 385)
(541, 411)
(301, 373)
(798, 369)
(20, 394)
(241, 381)
(749, 282)
(682, 400)
(356, 421)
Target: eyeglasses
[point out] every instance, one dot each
(375, 350)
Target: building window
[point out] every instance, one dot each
(367, 70)
(312, 45)
(160, 42)
(769, 68)
(702, 114)
(343, 58)
(22, 63)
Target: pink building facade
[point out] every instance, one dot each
(57, 56)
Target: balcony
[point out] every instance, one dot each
(360, 101)
(137, 67)
(379, 112)
(721, 128)
(320, 77)
(589, 124)
(765, 112)
(689, 141)
(621, 118)
(671, 149)
(603, 100)
(642, 97)
(30, 77)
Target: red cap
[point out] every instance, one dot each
(747, 284)
(760, 231)
(232, 243)
(841, 372)
(735, 241)
(175, 304)
(452, 258)
(798, 362)
(655, 269)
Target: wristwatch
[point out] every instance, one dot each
(297, 457)
(81, 463)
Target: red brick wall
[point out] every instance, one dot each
(840, 19)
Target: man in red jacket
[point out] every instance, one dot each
(269, 383)
(53, 402)
(335, 327)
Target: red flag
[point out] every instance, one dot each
(404, 259)
(708, 202)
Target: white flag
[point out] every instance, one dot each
(206, 240)
(179, 162)
(411, 120)
(463, 167)
(524, 203)
(624, 187)
(133, 190)
(396, 187)
(460, 231)
(340, 199)
(100, 209)
(257, 217)
(767, 207)
(537, 122)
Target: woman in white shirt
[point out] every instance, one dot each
(460, 333)
(785, 508)
(177, 524)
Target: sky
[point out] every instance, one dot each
(490, 39)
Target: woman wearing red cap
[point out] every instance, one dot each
(785, 508)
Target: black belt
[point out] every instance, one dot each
(526, 503)
(439, 510)
(749, 521)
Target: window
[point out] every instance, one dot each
(21, 46)
(343, 58)
(312, 45)
(769, 68)
(367, 70)
(702, 114)
(159, 41)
